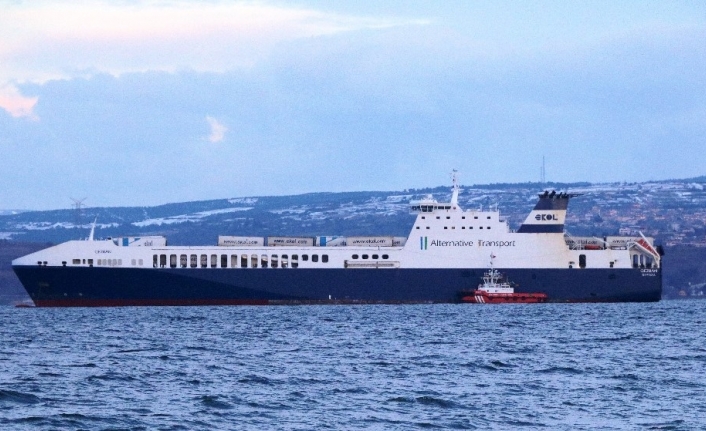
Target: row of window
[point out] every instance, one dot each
(235, 261)
(462, 227)
(374, 257)
(116, 262)
(430, 208)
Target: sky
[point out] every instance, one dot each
(139, 103)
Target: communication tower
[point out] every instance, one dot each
(78, 210)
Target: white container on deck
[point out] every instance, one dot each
(240, 241)
(289, 241)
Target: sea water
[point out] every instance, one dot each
(553, 366)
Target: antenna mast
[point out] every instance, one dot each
(454, 194)
(543, 173)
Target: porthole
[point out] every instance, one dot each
(365, 256)
(375, 256)
(355, 256)
(385, 256)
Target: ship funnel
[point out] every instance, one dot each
(548, 215)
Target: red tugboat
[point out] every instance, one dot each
(496, 290)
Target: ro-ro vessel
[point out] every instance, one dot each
(443, 256)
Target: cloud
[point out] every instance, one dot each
(47, 40)
(16, 104)
(218, 130)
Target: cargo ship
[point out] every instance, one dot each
(444, 257)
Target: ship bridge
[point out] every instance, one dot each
(430, 205)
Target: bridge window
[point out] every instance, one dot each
(233, 260)
(253, 261)
(324, 258)
(243, 260)
(193, 261)
(182, 261)
(214, 260)
(275, 261)
(305, 257)
(172, 261)
(285, 261)
(314, 257)
(162, 260)
(295, 261)
(224, 261)
(204, 261)
(263, 260)
(582, 260)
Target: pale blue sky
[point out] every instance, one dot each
(147, 102)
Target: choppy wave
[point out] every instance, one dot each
(551, 366)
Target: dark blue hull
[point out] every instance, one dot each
(93, 286)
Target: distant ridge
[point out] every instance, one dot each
(673, 211)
